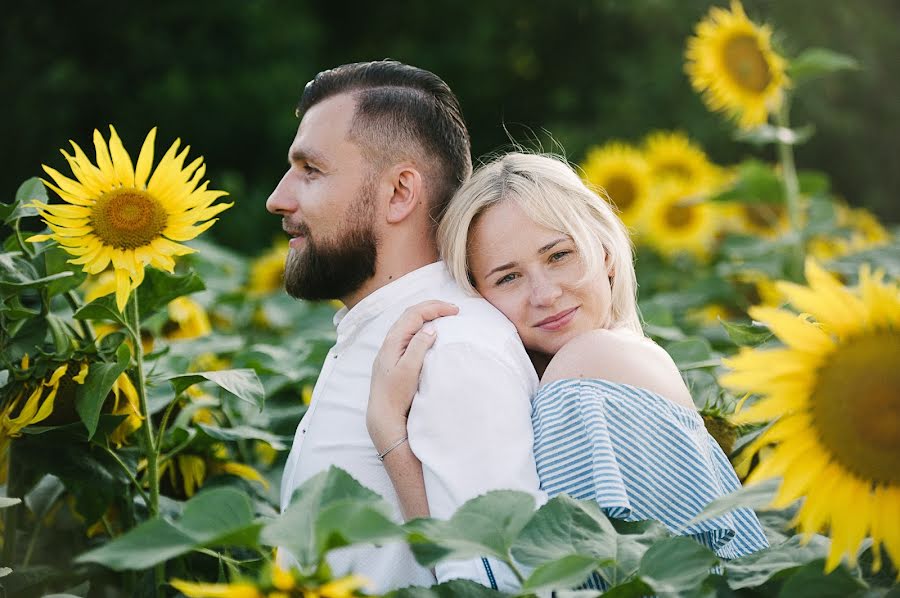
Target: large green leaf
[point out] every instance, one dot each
(90, 396)
(28, 191)
(208, 518)
(816, 62)
(676, 565)
(158, 288)
(457, 588)
(563, 527)
(756, 182)
(57, 260)
(756, 569)
(246, 433)
(692, 353)
(810, 581)
(755, 496)
(242, 383)
(101, 309)
(746, 335)
(567, 572)
(328, 510)
(41, 498)
(487, 525)
(18, 287)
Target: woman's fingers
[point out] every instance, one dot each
(412, 320)
(412, 359)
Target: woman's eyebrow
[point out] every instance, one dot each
(551, 245)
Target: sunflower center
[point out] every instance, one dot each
(128, 218)
(856, 406)
(679, 215)
(675, 170)
(621, 191)
(763, 215)
(746, 63)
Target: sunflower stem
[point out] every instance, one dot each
(130, 475)
(159, 573)
(791, 194)
(87, 331)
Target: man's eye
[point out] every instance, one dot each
(308, 169)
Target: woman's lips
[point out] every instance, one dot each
(557, 321)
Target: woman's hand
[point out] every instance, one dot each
(395, 372)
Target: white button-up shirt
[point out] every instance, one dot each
(470, 423)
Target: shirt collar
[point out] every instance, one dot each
(350, 321)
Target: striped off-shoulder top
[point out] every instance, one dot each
(640, 456)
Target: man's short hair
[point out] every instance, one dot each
(402, 112)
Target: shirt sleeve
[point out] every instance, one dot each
(470, 425)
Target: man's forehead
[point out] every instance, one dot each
(324, 126)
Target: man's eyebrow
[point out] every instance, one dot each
(304, 155)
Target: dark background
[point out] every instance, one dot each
(225, 76)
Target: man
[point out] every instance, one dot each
(380, 150)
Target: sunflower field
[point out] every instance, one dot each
(151, 379)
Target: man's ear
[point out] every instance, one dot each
(408, 192)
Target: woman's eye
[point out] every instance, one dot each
(508, 278)
(559, 255)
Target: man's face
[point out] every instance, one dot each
(326, 203)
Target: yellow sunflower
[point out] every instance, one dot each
(267, 271)
(731, 62)
(834, 391)
(762, 219)
(673, 157)
(120, 214)
(274, 582)
(681, 220)
(621, 171)
(187, 472)
(187, 319)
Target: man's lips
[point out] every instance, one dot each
(557, 321)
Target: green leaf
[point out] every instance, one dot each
(44, 495)
(692, 353)
(313, 522)
(142, 547)
(817, 62)
(208, 518)
(90, 396)
(636, 588)
(563, 527)
(56, 260)
(769, 134)
(813, 183)
(746, 335)
(755, 496)
(101, 309)
(158, 288)
(676, 565)
(810, 581)
(30, 190)
(6, 502)
(246, 433)
(457, 588)
(6, 285)
(242, 383)
(567, 572)
(755, 569)
(487, 525)
(756, 182)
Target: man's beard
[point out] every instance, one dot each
(332, 271)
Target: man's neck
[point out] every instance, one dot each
(390, 267)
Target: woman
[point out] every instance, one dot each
(613, 420)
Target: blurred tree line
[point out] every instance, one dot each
(225, 76)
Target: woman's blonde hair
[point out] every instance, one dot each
(554, 196)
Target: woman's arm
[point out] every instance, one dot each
(395, 379)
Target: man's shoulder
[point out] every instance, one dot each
(478, 322)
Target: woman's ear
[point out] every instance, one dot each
(609, 264)
(408, 193)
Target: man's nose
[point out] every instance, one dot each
(282, 201)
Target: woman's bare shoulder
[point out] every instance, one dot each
(619, 356)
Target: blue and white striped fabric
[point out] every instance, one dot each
(639, 456)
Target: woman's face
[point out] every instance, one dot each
(532, 275)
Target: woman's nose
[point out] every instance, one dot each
(545, 293)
